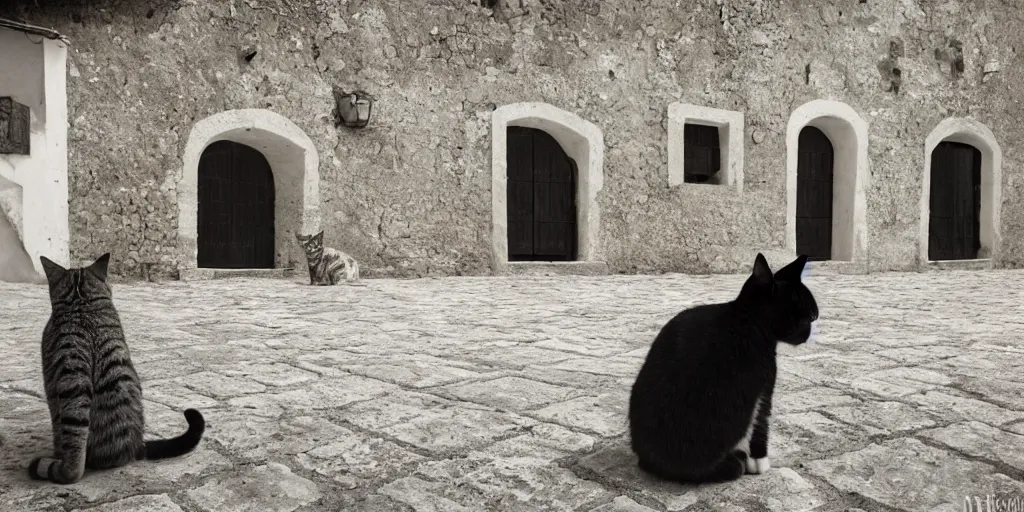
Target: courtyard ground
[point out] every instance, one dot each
(509, 394)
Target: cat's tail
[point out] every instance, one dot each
(164, 448)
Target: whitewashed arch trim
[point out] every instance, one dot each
(967, 131)
(848, 132)
(292, 157)
(582, 140)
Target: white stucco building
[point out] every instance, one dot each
(34, 186)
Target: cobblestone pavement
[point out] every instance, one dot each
(473, 394)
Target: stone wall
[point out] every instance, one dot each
(410, 195)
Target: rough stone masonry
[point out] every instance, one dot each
(410, 194)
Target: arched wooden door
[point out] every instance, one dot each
(954, 222)
(814, 194)
(236, 208)
(541, 198)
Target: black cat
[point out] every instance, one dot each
(699, 409)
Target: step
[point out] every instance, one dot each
(978, 264)
(205, 274)
(555, 268)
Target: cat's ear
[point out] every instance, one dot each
(99, 267)
(320, 235)
(794, 271)
(762, 273)
(53, 271)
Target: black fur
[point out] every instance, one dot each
(694, 398)
(33, 469)
(164, 448)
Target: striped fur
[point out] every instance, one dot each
(93, 391)
(327, 266)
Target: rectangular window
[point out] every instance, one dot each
(702, 155)
(705, 146)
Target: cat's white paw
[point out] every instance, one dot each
(757, 466)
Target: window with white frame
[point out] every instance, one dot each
(705, 146)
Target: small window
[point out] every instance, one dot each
(705, 146)
(702, 154)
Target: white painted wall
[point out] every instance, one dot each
(15, 265)
(35, 74)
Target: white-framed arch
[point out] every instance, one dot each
(848, 133)
(293, 159)
(582, 140)
(967, 131)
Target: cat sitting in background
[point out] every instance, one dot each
(94, 394)
(699, 409)
(327, 266)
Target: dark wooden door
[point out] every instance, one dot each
(541, 198)
(955, 215)
(236, 208)
(814, 195)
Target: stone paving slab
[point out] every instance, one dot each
(472, 394)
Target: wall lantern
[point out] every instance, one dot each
(353, 108)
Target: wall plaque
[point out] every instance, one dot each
(14, 127)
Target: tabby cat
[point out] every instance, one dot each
(327, 266)
(699, 409)
(94, 394)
